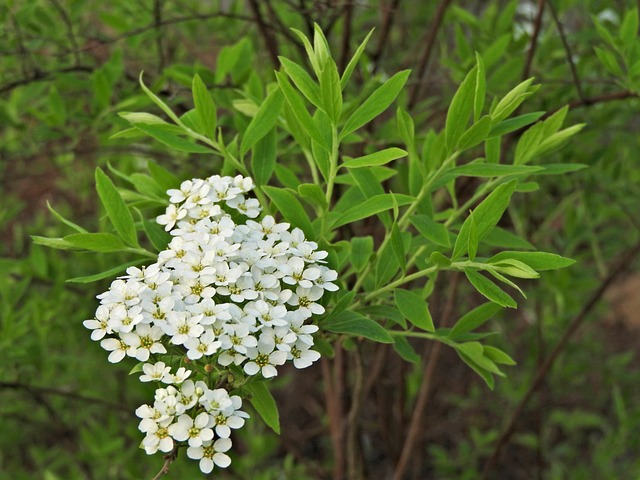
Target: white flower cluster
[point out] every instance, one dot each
(222, 293)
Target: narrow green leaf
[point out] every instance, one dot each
(68, 223)
(487, 170)
(475, 351)
(473, 238)
(497, 356)
(381, 157)
(302, 81)
(116, 209)
(512, 100)
(158, 237)
(361, 250)
(309, 49)
(96, 242)
(629, 29)
(265, 404)
(501, 238)
(397, 247)
(480, 90)
(263, 122)
(290, 208)
(346, 75)
(486, 216)
(512, 124)
(172, 140)
(460, 110)
(163, 106)
(405, 350)
(353, 323)
(371, 206)
(414, 308)
(57, 243)
(376, 103)
(107, 273)
(539, 261)
(263, 158)
(300, 110)
(205, 108)
(477, 133)
(330, 91)
(489, 289)
(313, 193)
(474, 319)
(431, 230)
(162, 176)
(485, 375)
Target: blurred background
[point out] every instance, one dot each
(68, 66)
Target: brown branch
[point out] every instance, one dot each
(333, 401)
(39, 76)
(63, 393)
(537, 26)
(387, 22)
(353, 464)
(269, 40)
(283, 29)
(168, 459)
(589, 101)
(542, 372)
(432, 33)
(346, 35)
(415, 424)
(69, 26)
(567, 50)
(157, 21)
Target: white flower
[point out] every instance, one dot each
(215, 401)
(193, 430)
(297, 272)
(303, 356)
(205, 345)
(158, 438)
(118, 349)
(211, 453)
(182, 327)
(229, 418)
(306, 297)
(144, 341)
(154, 372)
(177, 378)
(100, 324)
(264, 359)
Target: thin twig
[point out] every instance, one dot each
(69, 26)
(542, 372)
(270, 41)
(415, 424)
(432, 33)
(387, 22)
(63, 393)
(567, 50)
(537, 25)
(168, 459)
(39, 76)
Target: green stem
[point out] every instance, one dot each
(401, 281)
(430, 336)
(333, 171)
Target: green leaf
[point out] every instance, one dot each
(431, 230)
(300, 110)
(376, 103)
(380, 157)
(484, 374)
(480, 88)
(342, 304)
(539, 261)
(499, 237)
(263, 158)
(474, 319)
(371, 206)
(346, 75)
(414, 308)
(331, 91)
(460, 110)
(361, 250)
(302, 81)
(497, 355)
(609, 60)
(561, 168)
(397, 247)
(171, 140)
(96, 242)
(313, 193)
(353, 323)
(475, 351)
(162, 176)
(205, 108)
(57, 243)
(486, 216)
(477, 133)
(473, 238)
(512, 100)
(265, 404)
(158, 237)
(263, 122)
(489, 289)
(487, 170)
(309, 49)
(512, 124)
(116, 209)
(629, 28)
(405, 350)
(107, 273)
(159, 102)
(290, 208)
(514, 268)
(68, 223)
